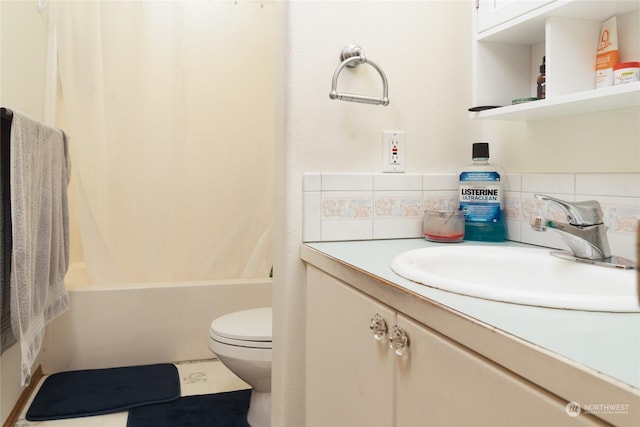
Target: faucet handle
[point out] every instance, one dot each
(578, 213)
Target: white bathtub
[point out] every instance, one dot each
(118, 325)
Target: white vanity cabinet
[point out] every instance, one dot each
(355, 380)
(442, 383)
(349, 373)
(512, 37)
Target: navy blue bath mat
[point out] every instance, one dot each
(206, 410)
(103, 391)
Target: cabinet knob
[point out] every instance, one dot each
(398, 340)
(378, 327)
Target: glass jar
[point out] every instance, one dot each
(443, 226)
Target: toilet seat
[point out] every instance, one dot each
(247, 328)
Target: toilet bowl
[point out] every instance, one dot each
(242, 342)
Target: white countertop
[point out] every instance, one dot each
(605, 342)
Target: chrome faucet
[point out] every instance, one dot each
(585, 232)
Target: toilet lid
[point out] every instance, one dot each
(247, 325)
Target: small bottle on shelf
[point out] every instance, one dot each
(542, 80)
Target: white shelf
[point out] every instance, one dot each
(508, 52)
(604, 99)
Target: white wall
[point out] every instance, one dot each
(425, 49)
(24, 56)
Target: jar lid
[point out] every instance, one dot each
(626, 65)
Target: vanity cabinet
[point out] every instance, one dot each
(349, 373)
(355, 380)
(512, 37)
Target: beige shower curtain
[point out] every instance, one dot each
(169, 106)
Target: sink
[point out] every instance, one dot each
(520, 275)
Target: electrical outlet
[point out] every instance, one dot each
(393, 151)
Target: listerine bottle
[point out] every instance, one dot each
(481, 197)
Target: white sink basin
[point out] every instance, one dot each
(528, 276)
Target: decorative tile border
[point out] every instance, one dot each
(362, 206)
(397, 214)
(346, 206)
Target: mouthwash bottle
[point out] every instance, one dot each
(481, 197)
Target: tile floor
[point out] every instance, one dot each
(200, 377)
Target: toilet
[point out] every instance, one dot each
(242, 342)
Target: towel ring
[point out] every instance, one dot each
(352, 56)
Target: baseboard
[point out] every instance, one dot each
(24, 398)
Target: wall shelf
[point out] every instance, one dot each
(516, 35)
(604, 99)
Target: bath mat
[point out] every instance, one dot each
(103, 391)
(227, 409)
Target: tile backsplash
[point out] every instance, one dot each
(366, 206)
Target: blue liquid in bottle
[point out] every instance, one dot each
(481, 197)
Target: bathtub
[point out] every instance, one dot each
(141, 323)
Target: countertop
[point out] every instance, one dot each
(603, 343)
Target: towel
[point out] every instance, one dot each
(40, 172)
(7, 340)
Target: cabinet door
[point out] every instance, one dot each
(349, 373)
(441, 383)
(495, 12)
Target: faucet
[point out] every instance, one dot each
(584, 233)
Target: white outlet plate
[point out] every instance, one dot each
(393, 151)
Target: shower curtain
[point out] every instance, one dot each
(170, 111)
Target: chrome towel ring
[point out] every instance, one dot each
(352, 56)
